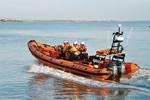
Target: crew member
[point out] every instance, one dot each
(82, 47)
(65, 50)
(83, 51)
(74, 50)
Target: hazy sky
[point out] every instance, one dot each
(76, 9)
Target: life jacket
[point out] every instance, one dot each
(66, 48)
(74, 50)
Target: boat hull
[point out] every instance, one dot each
(75, 67)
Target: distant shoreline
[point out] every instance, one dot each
(66, 21)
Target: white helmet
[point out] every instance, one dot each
(66, 41)
(75, 42)
(83, 43)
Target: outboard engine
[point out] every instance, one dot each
(118, 62)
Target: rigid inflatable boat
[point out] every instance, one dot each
(106, 65)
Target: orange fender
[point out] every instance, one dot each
(131, 68)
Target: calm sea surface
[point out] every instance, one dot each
(16, 83)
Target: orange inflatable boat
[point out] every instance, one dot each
(105, 65)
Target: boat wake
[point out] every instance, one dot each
(140, 81)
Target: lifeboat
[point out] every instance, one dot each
(98, 67)
(49, 56)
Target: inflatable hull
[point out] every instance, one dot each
(47, 55)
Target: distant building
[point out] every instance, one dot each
(3, 20)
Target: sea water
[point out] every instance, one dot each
(21, 78)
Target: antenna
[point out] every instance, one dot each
(119, 27)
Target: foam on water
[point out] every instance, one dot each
(143, 74)
(35, 68)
